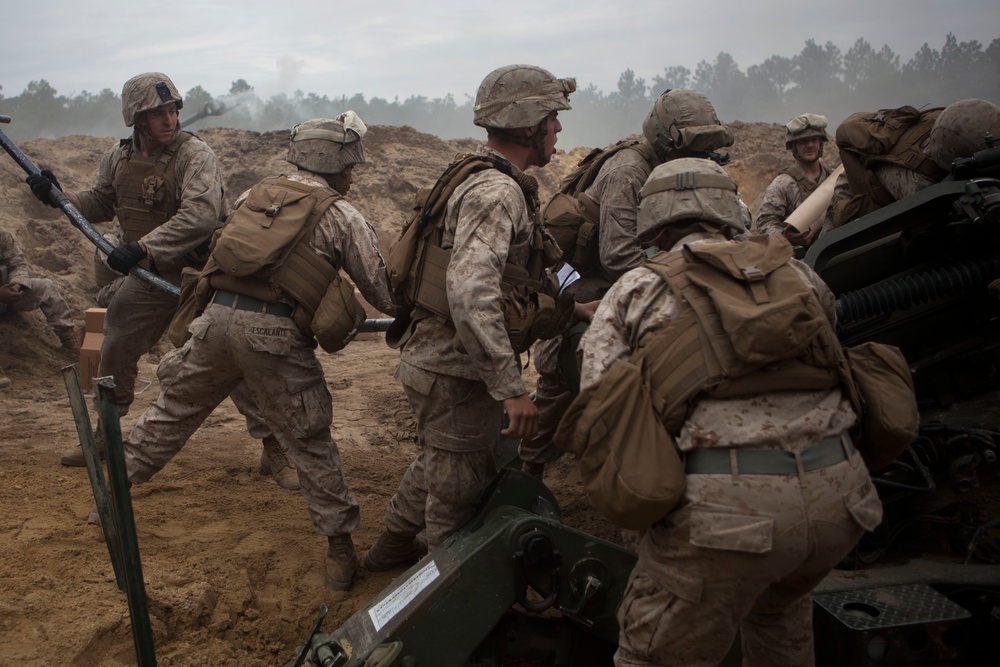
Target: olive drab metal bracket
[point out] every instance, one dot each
(114, 503)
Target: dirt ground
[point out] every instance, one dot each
(232, 565)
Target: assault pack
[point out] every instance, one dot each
(263, 252)
(888, 136)
(747, 324)
(417, 264)
(573, 218)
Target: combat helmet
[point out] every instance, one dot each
(805, 126)
(148, 91)
(520, 96)
(328, 145)
(688, 190)
(684, 119)
(962, 129)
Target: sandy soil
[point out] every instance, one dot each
(233, 568)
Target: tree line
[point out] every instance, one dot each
(819, 79)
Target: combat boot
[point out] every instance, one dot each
(275, 463)
(70, 339)
(392, 549)
(341, 562)
(74, 457)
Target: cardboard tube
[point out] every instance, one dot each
(810, 213)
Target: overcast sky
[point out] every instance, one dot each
(399, 48)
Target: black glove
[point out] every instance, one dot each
(41, 185)
(124, 257)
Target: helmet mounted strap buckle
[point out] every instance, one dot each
(164, 92)
(686, 181)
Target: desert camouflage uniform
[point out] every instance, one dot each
(782, 197)
(898, 181)
(37, 293)
(278, 365)
(616, 192)
(739, 550)
(457, 373)
(139, 314)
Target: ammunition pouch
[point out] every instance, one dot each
(196, 291)
(338, 316)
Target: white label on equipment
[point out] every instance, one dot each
(397, 600)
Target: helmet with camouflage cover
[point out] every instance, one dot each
(328, 145)
(805, 126)
(961, 130)
(148, 91)
(688, 190)
(520, 96)
(684, 119)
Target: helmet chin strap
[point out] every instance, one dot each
(539, 143)
(536, 141)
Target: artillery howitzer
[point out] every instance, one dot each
(516, 587)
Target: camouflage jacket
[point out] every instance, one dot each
(616, 192)
(487, 223)
(12, 258)
(781, 197)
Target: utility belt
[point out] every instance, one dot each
(250, 304)
(738, 461)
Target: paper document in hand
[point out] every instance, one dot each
(567, 276)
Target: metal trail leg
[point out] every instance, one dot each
(121, 501)
(71, 378)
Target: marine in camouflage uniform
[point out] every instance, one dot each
(960, 130)
(460, 375)
(20, 293)
(240, 341)
(164, 189)
(804, 137)
(682, 123)
(740, 550)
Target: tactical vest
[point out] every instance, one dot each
(746, 324)
(805, 184)
(418, 263)
(264, 250)
(145, 188)
(889, 136)
(573, 218)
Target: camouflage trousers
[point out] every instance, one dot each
(137, 317)
(43, 295)
(742, 552)
(552, 399)
(283, 379)
(458, 428)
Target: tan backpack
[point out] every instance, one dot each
(888, 136)
(263, 251)
(746, 324)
